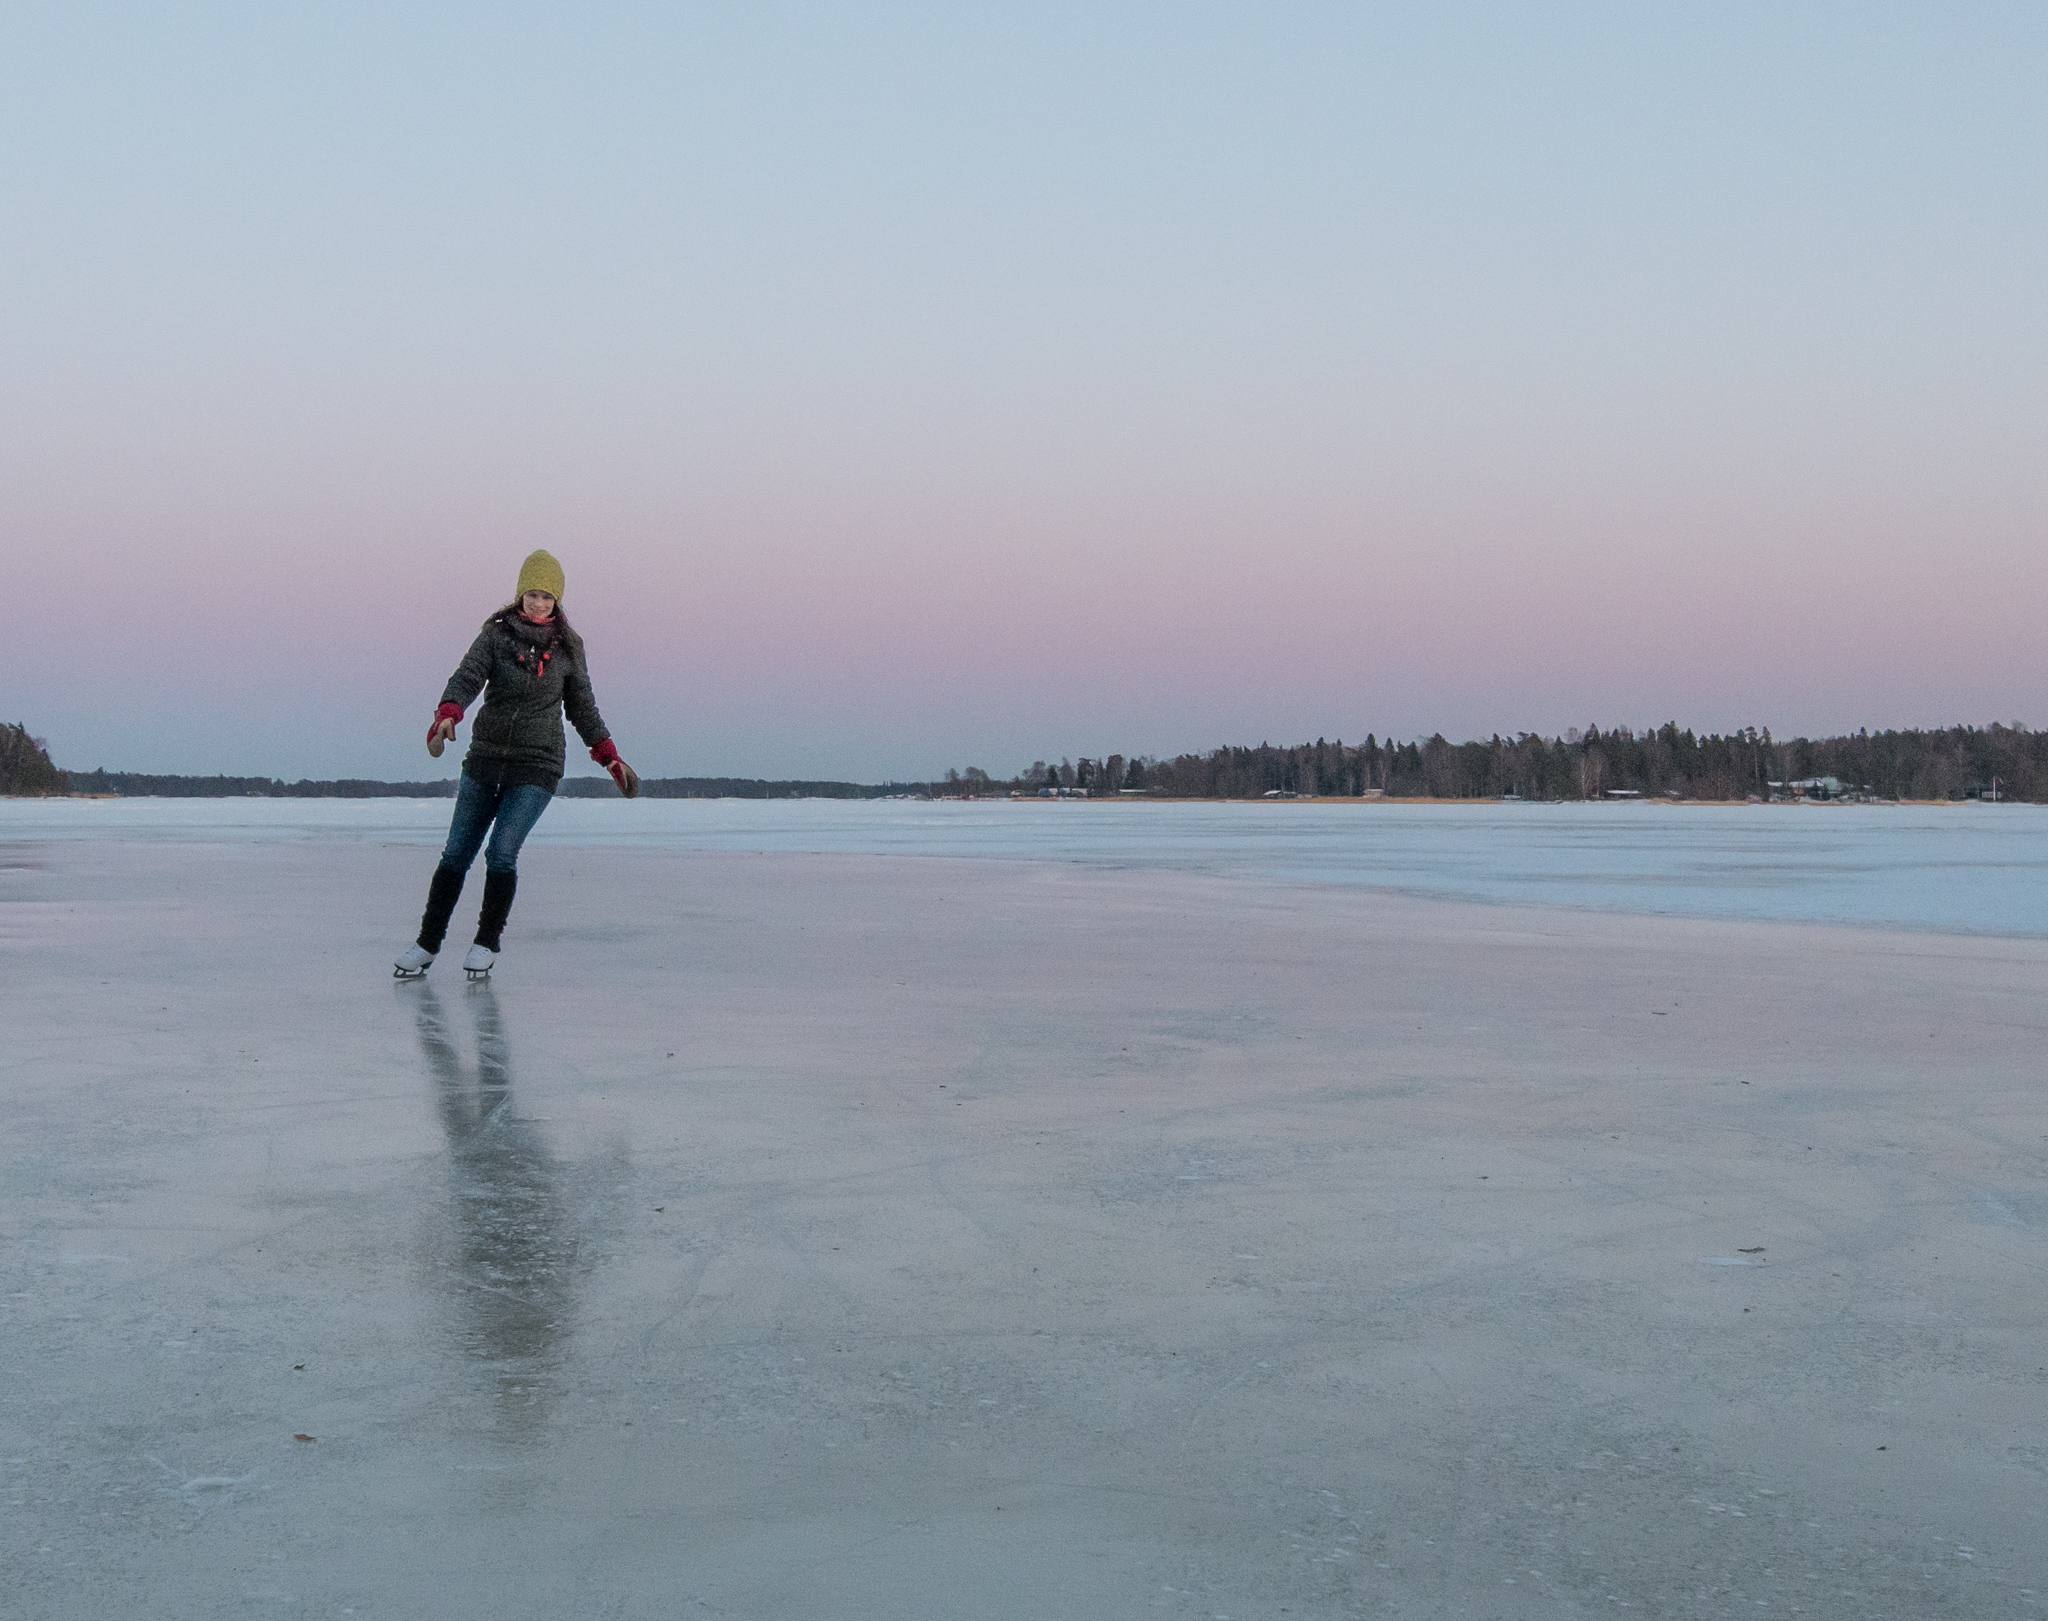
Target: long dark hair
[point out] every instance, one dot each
(570, 641)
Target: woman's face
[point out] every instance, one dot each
(537, 606)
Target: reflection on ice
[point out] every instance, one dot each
(515, 1252)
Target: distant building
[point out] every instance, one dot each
(1812, 788)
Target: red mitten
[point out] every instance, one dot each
(606, 754)
(442, 728)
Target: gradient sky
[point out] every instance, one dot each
(907, 387)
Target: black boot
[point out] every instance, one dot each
(490, 921)
(441, 897)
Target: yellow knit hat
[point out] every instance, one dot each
(540, 572)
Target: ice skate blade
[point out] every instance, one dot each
(408, 973)
(476, 974)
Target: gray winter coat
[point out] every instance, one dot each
(516, 737)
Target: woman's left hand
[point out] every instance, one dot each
(606, 754)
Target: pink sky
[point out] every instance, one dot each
(921, 394)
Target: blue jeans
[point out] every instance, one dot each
(478, 806)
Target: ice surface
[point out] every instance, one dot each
(1964, 868)
(846, 1235)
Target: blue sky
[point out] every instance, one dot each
(907, 387)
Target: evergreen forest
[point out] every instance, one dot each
(25, 764)
(1960, 762)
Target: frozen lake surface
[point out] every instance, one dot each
(1101, 1230)
(1964, 868)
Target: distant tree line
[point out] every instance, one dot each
(735, 788)
(137, 784)
(143, 784)
(1960, 762)
(25, 764)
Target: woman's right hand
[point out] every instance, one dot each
(440, 735)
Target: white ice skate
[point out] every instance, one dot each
(478, 963)
(412, 963)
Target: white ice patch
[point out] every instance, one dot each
(1996, 1211)
(188, 1484)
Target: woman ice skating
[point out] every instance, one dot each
(529, 666)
